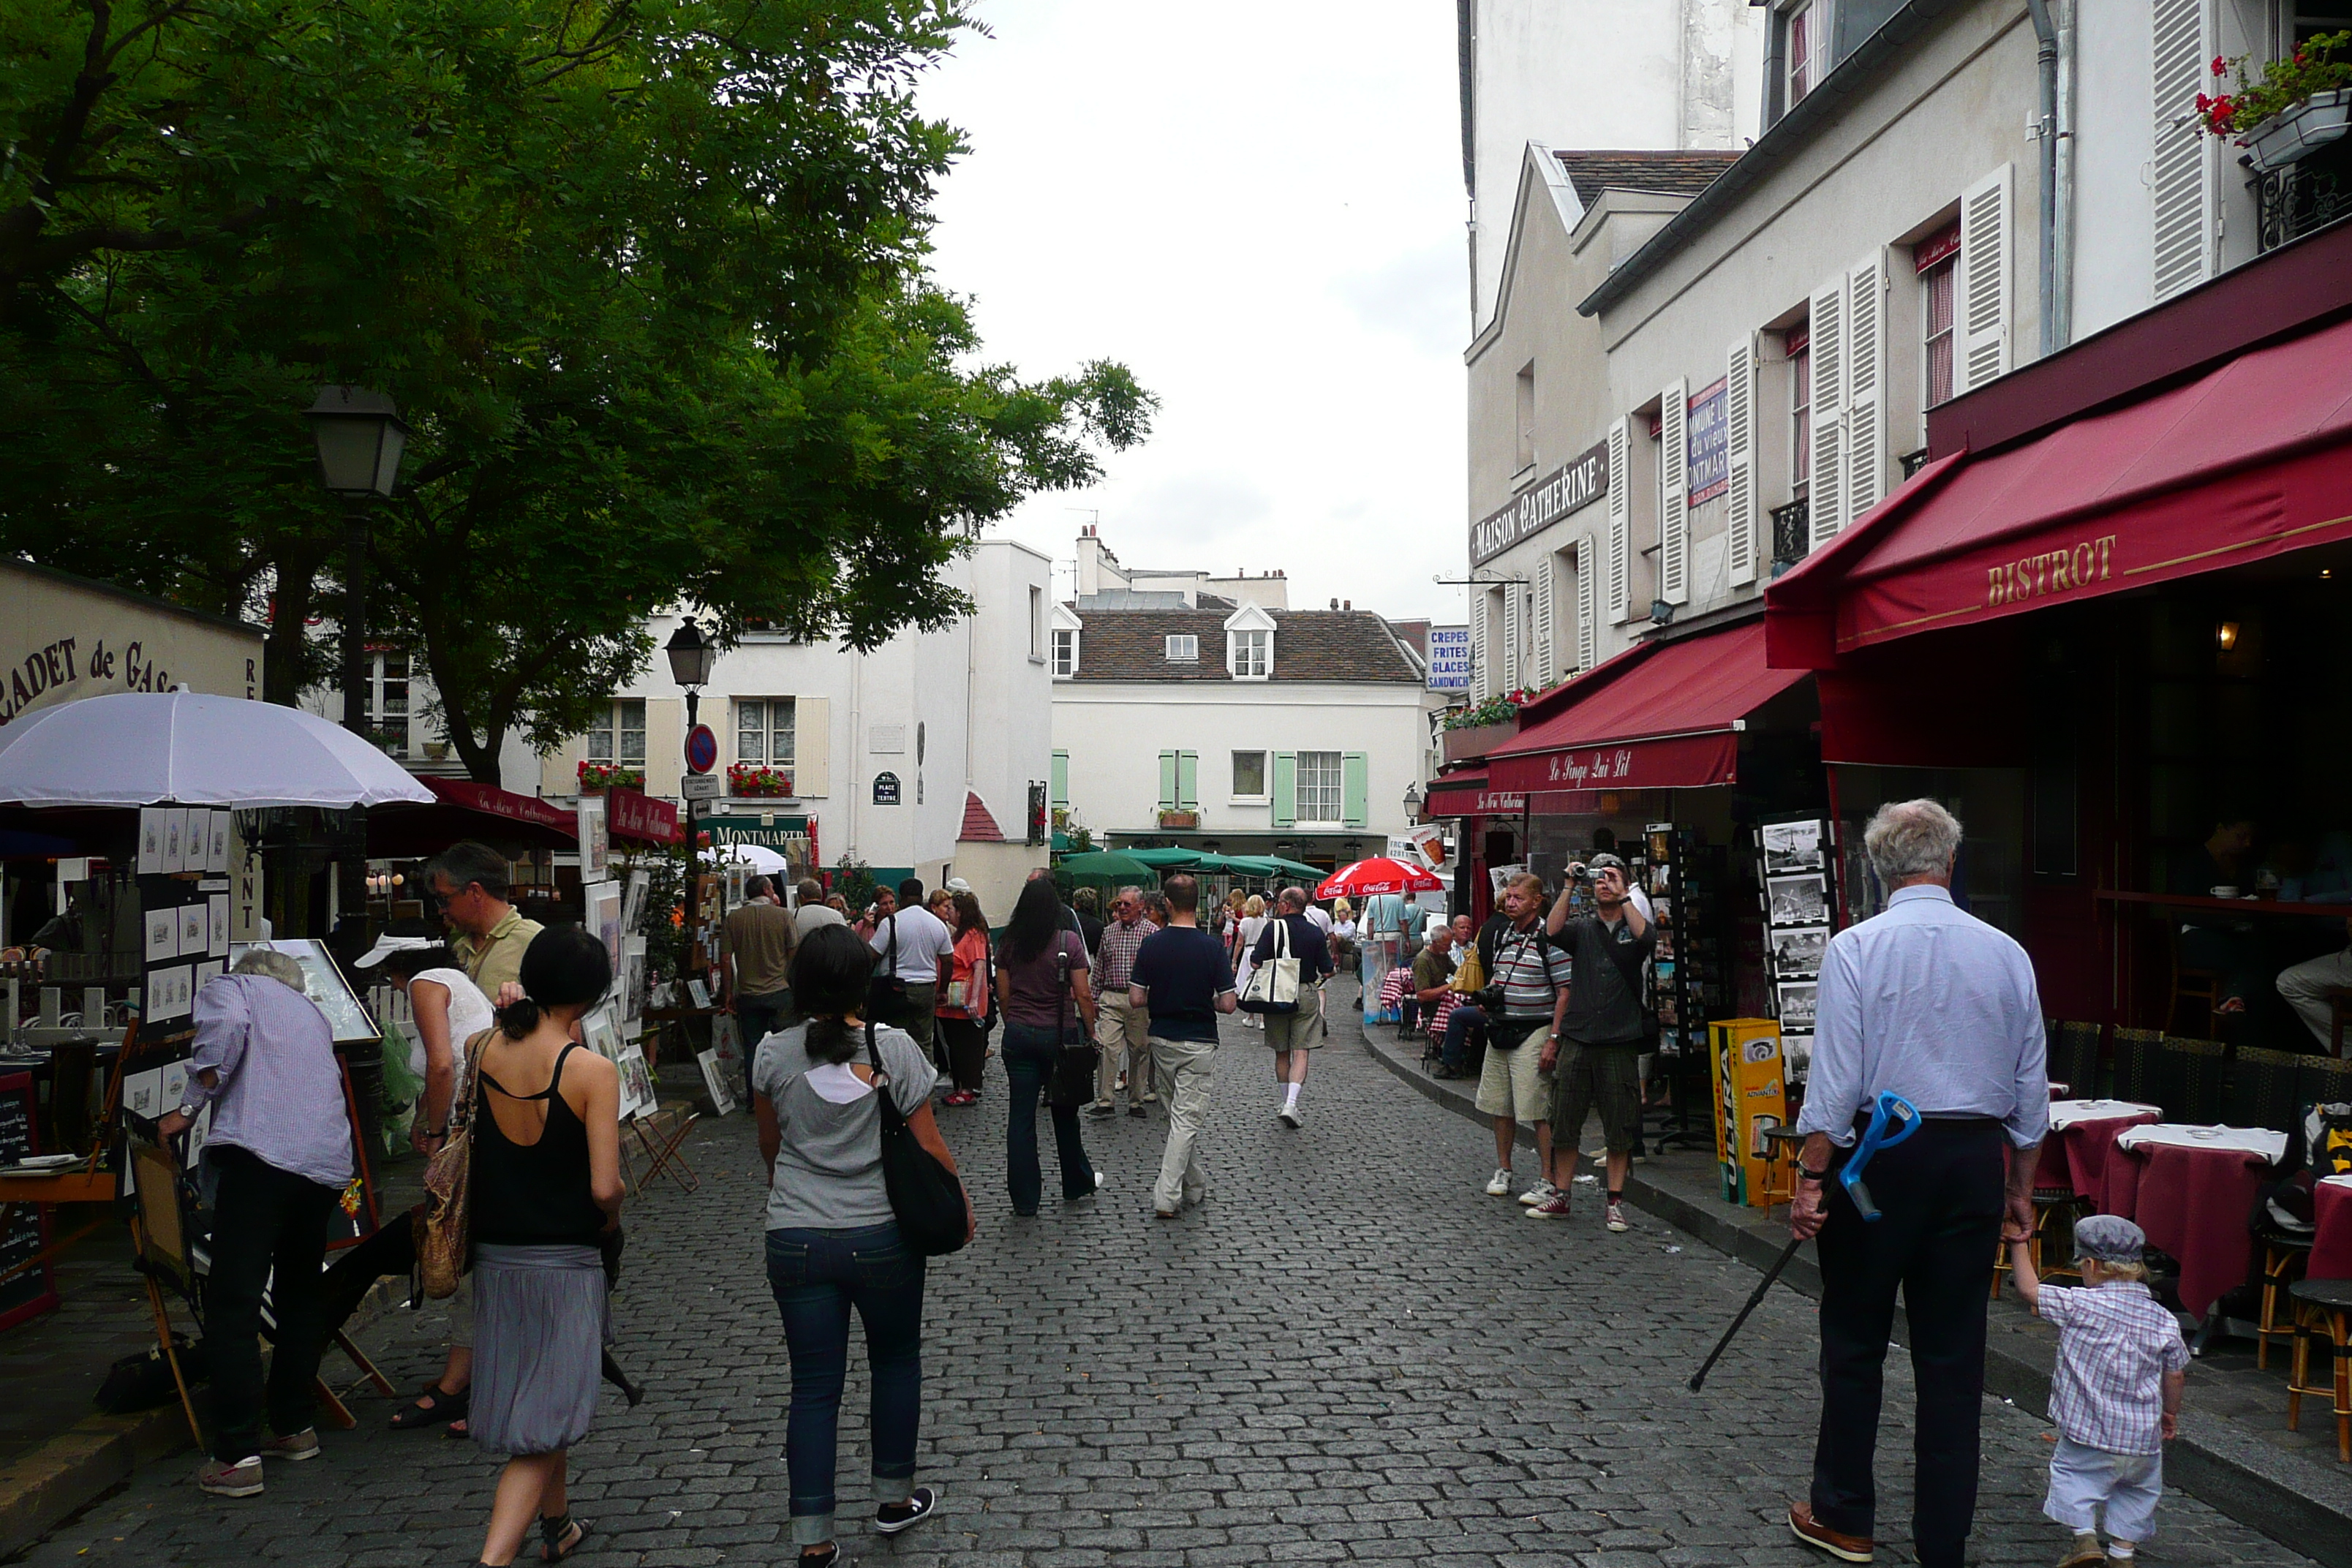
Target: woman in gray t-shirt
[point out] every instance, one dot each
(832, 1242)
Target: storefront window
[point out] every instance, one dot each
(1991, 805)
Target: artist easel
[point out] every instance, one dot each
(665, 1156)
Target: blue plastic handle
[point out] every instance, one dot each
(1892, 1111)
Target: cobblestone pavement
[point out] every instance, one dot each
(1348, 1353)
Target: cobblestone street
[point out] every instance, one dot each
(1349, 1352)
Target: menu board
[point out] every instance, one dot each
(33, 1292)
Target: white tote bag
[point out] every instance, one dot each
(1273, 985)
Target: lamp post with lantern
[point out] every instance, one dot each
(360, 438)
(693, 659)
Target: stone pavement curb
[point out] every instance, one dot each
(2273, 1491)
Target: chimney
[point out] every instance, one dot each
(1334, 604)
(1347, 604)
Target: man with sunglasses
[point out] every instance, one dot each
(468, 883)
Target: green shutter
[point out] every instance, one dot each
(1061, 779)
(1286, 789)
(1355, 788)
(1167, 781)
(1187, 780)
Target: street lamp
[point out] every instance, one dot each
(1413, 799)
(693, 658)
(361, 437)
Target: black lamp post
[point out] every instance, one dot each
(692, 660)
(361, 437)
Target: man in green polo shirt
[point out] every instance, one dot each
(468, 882)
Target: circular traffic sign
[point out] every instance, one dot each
(701, 749)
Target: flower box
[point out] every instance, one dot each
(2294, 133)
(754, 781)
(1477, 741)
(596, 778)
(1178, 818)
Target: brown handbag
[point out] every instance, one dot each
(444, 1252)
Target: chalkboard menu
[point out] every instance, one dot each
(32, 1291)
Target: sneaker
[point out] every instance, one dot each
(1552, 1207)
(1498, 1186)
(240, 1480)
(1099, 1180)
(1616, 1219)
(1102, 1108)
(1149, 1098)
(299, 1446)
(1290, 1116)
(893, 1516)
(1136, 1110)
(1542, 1190)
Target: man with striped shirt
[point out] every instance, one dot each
(1119, 1029)
(1534, 975)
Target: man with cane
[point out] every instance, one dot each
(1933, 1005)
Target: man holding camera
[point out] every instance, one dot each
(1595, 1052)
(1526, 990)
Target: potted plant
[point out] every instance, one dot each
(596, 778)
(758, 780)
(2300, 103)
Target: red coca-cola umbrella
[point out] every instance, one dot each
(1377, 874)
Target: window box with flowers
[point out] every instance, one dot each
(755, 779)
(596, 778)
(2301, 104)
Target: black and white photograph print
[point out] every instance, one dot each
(1797, 951)
(1792, 847)
(1797, 900)
(1797, 1002)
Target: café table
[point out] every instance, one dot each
(2083, 1134)
(2331, 1240)
(2190, 1189)
(1393, 993)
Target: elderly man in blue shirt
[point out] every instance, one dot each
(279, 1153)
(1934, 1004)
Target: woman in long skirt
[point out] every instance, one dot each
(545, 1192)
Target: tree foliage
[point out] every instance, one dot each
(646, 276)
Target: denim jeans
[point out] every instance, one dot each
(757, 1017)
(1030, 1050)
(817, 1276)
(1458, 1031)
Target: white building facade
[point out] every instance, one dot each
(1691, 378)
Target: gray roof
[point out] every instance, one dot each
(1308, 644)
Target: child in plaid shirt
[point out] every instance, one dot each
(2116, 1395)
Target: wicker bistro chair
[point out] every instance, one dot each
(2074, 1059)
(2188, 1079)
(2319, 1080)
(2138, 1069)
(2262, 1089)
(2323, 1305)
(2284, 1254)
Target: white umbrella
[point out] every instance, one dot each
(141, 748)
(763, 860)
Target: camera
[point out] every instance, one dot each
(1577, 871)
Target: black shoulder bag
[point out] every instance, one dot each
(927, 1198)
(1074, 1065)
(886, 993)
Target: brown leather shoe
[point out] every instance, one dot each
(1836, 1542)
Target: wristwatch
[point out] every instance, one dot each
(1803, 1174)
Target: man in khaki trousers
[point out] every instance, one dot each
(1119, 1028)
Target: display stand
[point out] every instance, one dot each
(1690, 967)
(1796, 873)
(665, 1156)
(28, 1283)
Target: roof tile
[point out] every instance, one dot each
(1308, 644)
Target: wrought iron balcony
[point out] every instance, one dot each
(2294, 199)
(1791, 534)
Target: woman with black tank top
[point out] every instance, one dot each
(545, 1191)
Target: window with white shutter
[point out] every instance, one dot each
(1620, 523)
(1588, 594)
(1482, 680)
(1739, 455)
(1674, 494)
(2180, 175)
(1825, 464)
(1984, 279)
(1513, 633)
(1545, 660)
(1866, 385)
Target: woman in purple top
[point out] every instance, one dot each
(1042, 990)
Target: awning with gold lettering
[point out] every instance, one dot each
(1667, 718)
(1471, 793)
(2245, 462)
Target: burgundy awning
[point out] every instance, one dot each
(469, 810)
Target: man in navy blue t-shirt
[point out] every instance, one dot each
(1182, 980)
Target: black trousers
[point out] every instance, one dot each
(1939, 1193)
(757, 1017)
(263, 1218)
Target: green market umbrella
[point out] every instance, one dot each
(1104, 865)
(1275, 866)
(1169, 859)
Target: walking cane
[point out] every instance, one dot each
(1891, 1110)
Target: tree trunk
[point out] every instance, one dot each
(285, 644)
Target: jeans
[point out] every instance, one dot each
(1030, 1051)
(817, 1276)
(1458, 1029)
(757, 1017)
(264, 1217)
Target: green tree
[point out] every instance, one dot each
(646, 276)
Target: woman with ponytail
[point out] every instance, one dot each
(546, 1191)
(833, 1240)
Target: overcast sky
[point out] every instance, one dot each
(1259, 209)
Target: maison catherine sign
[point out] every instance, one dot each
(1576, 484)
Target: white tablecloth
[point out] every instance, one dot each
(2270, 1145)
(2064, 1113)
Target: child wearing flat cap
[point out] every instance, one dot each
(2116, 1395)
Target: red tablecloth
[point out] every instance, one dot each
(2192, 1202)
(1391, 994)
(2076, 1157)
(2331, 1244)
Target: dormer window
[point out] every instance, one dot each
(1065, 653)
(1249, 644)
(1184, 647)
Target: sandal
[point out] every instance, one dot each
(441, 1406)
(560, 1536)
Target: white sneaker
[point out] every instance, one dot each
(1499, 1184)
(1616, 1219)
(1542, 1191)
(1290, 1116)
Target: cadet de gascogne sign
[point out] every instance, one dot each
(1576, 484)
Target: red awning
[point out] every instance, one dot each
(2249, 461)
(469, 810)
(1670, 721)
(1470, 793)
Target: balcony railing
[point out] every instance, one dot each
(1791, 534)
(1912, 461)
(2297, 199)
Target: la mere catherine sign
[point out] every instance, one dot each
(1573, 486)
